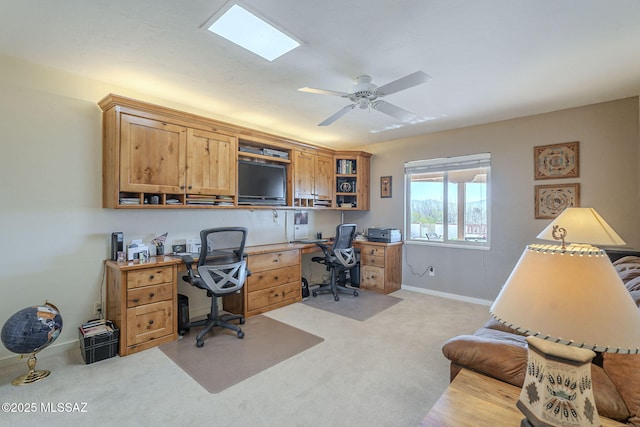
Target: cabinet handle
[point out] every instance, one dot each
(190, 187)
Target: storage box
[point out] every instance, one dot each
(99, 347)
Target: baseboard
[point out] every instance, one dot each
(54, 349)
(447, 295)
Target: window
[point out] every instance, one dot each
(447, 200)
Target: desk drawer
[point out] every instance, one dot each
(149, 276)
(371, 277)
(271, 260)
(148, 322)
(371, 250)
(266, 297)
(267, 279)
(149, 294)
(366, 259)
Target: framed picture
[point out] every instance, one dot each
(553, 199)
(556, 161)
(385, 186)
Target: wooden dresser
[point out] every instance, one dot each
(380, 266)
(142, 301)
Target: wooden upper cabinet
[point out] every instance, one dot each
(152, 156)
(211, 163)
(304, 175)
(314, 178)
(324, 177)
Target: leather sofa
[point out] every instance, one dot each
(500, 352)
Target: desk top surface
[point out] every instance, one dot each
(168, 260)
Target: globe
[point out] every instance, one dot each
(30, 330)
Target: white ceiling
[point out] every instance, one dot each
(489, 59)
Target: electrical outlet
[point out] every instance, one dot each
(97, 308)
(432, 271)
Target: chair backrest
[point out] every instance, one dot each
(345, 234)
(342, 249)
(222, 245)
(221, 264)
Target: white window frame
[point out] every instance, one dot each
(457, 163)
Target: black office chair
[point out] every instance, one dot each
(338, 258)
(221, 270)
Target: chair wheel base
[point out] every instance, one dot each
(336, 298)
(199, 343)
(240, 334)
(314, 293)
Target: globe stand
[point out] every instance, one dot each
(32, 376)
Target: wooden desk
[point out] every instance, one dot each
(476, 400)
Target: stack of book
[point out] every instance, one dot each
(96, 327)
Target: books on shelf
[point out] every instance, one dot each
(346, 167)
(96, 327)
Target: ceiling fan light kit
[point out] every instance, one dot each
(365, 94)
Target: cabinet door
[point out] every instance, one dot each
(211, 163)
(152, 156)
(304, 170)
(324, 175)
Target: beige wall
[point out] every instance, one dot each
(609, 176)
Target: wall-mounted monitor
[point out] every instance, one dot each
(262, 183)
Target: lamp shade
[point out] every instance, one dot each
(583, 225)
(572, 296)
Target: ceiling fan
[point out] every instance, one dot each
(365, 94)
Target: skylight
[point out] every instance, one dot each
(247, 30)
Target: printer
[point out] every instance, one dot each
(385, 235)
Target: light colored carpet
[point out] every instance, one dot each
(225, 360)
(361, 307)
(385, 371)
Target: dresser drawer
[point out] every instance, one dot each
(270, 278)
(366, 259)
(149, 294)
(266, 297)
(271, 260)
(371, 277)
(371, 250)
(148, 322)
(149, 276)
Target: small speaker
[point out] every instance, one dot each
(305, 288)
(117, 244)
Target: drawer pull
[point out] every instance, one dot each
(373, 251)
(151, 295)
(151, 277)
(275, 278)
(151, 322)
(276, 260)
(137, 300)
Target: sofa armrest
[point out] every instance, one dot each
(504, 361)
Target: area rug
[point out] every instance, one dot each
(362, 307)
(226, 360)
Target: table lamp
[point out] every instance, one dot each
(570, 302)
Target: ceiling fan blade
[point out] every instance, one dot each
(337, 115)
(403, 83)
(323, 91)
(393, 110)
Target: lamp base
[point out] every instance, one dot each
(557, 389)
(32, 376)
